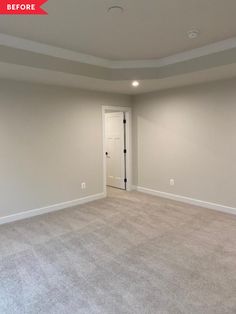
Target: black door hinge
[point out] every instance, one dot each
(125, 180)
(125, 151)
(124, 121)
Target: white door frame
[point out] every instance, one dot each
(128, 114)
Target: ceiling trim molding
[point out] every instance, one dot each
(180, 57)
(32, 46)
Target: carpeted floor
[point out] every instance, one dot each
(129, 253)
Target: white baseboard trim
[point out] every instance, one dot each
(133, 188)
(188, 200)
(49, 209)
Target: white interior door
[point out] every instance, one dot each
(115, 145)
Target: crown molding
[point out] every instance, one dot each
(49, 50)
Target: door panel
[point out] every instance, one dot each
(115, 149)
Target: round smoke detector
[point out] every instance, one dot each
(193, 33)
(115, 10)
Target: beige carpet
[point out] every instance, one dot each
(129, 253)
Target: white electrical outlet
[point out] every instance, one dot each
(83, 185)
(172, 182)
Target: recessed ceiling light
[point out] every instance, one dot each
(135, 83)
(115, 9)
(193, 33)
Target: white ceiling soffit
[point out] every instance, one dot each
(26, 60)
(31, 46)
(34, 75)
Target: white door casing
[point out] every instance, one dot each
(115, 145)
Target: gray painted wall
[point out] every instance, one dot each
(51, 141)
(188, 134)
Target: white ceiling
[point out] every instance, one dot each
(79, 45)
(148, 29)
